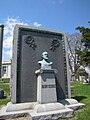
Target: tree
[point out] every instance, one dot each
(74, 44)
(84, 53)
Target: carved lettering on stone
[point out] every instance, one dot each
(48, 86)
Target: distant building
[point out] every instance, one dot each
(87, 69)
(6, 69)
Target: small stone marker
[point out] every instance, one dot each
(1, 93)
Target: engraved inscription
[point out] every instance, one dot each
(30, 41)
(55, 43)
(48, 86)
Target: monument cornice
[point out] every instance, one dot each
(39, 30)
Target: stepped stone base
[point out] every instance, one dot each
(51, 111)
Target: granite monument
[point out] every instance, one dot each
(40, 83)
(28, 45)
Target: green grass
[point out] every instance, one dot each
(7, 80)
(5, 86)
(82, 94)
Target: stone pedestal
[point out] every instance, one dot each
(46, 86)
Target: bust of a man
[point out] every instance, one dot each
(44, 63)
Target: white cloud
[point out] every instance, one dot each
(7, 43)
(9, 24)
(8, 53)
(36, 24)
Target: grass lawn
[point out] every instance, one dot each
(5, 86)
(81, 93)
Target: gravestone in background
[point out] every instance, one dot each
(28, 45)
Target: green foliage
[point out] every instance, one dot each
(6, 80)
(89, 76)
(85, 52)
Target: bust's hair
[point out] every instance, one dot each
(44, 53)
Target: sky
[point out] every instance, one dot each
(60, 15)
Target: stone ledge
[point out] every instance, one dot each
(40, 71)
(52, 115)
(20, 106)
(72, 104)
(12, 115)
(39, 108)
(76, 106)
(68, 101)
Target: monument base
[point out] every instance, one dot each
(51, 111)
(39, 108)
(72, 104)
(53, 115)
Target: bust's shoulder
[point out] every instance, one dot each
(40, 61)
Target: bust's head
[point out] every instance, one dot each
(45, 55)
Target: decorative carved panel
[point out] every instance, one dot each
(55, 43)
(30, 41)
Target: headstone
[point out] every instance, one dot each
(1, 93)
(28, 45)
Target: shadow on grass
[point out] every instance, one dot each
(79, 98)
